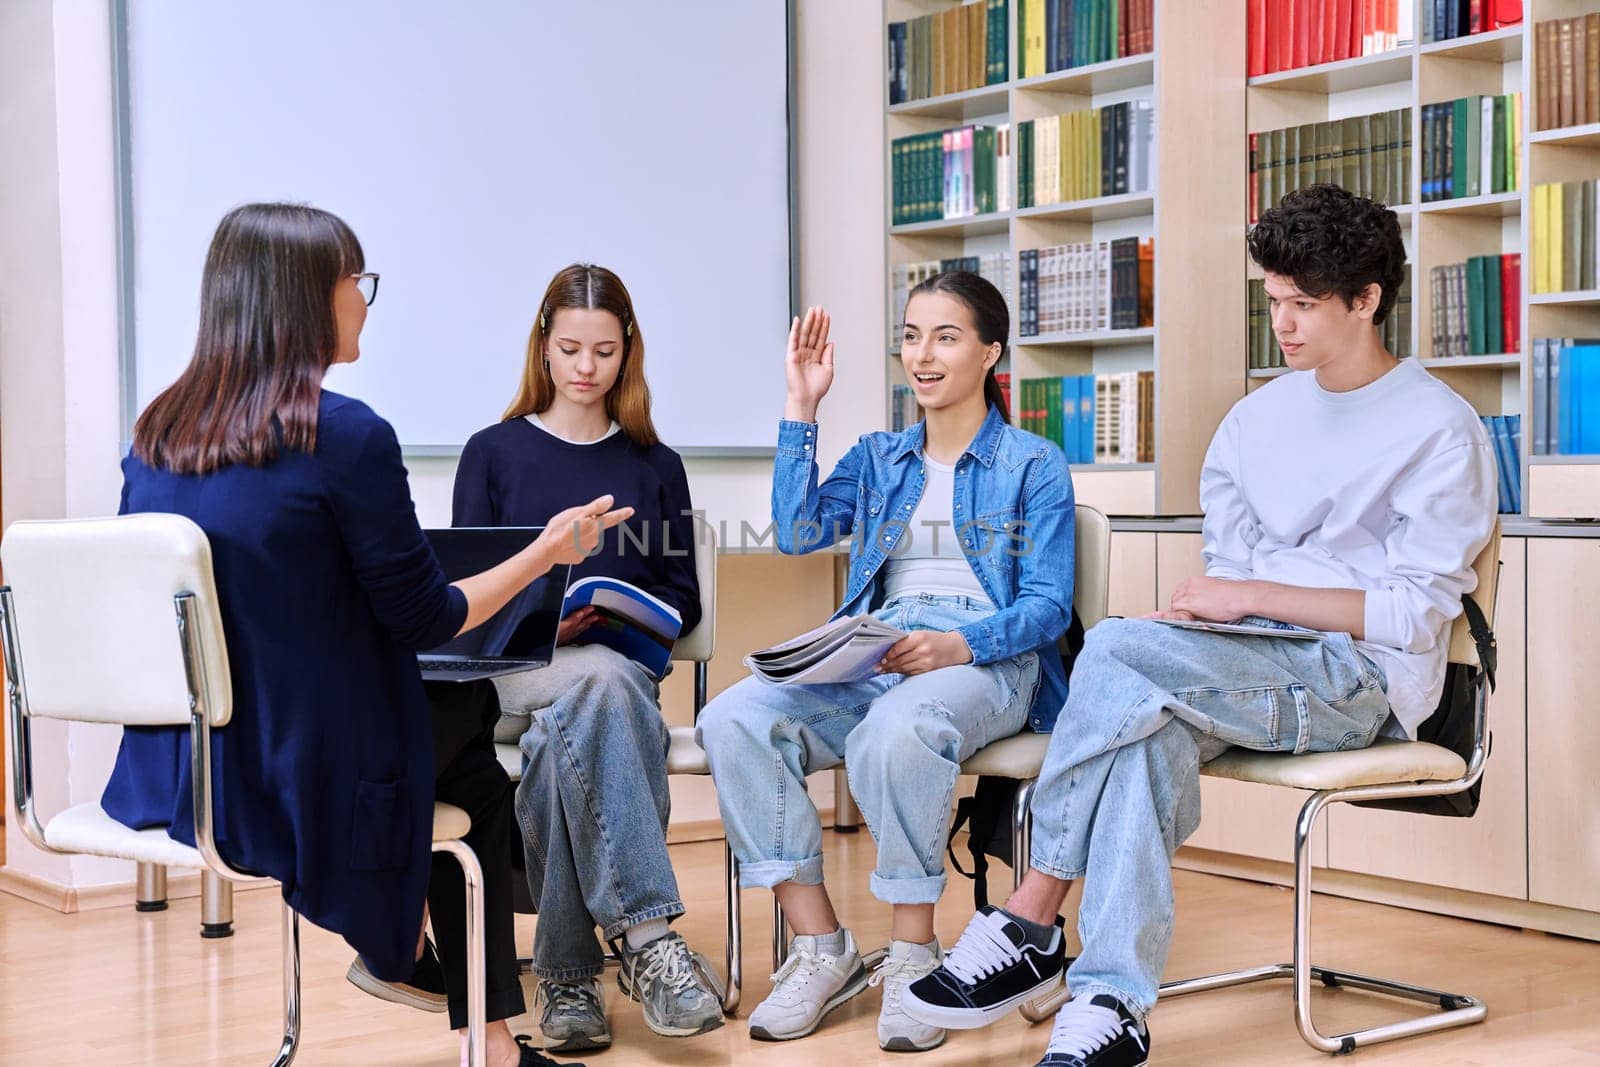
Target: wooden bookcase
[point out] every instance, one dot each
(1193, 78)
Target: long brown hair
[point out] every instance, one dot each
(267, 336)
(586, 286)
(989, 315)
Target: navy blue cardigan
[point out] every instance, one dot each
(515, 474)
(324, 777)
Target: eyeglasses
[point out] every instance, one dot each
(368, 284)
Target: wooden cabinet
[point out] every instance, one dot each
(1488, 852)
(1133, 574)
(1563, 722)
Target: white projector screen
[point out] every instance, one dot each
(476, 148)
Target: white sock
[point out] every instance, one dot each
(830, 944)
(642, 934)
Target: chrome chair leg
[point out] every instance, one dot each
(472, 876)
(1456, 1009)
(216, 905)
(780, 934)
(150, 887)
(291, 988)
(734, 944)
(846, 815)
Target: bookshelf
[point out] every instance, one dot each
(1192, 77)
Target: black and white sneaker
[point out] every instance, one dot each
(991, 970)
(1096, 1032)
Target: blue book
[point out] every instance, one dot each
(1539, 413)
(1514, 430)
(1086, 415)
(631, 621)
(1069, 419)
(1494, 426)
(1562, 363)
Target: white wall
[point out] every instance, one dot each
(58, 327)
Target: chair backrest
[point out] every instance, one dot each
(1462, 648)
(699, 643)
(94, 618)
(1091, 579)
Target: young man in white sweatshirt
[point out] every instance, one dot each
(1349, 498)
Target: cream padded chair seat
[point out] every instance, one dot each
(450, 823)
(87, 828)
(684, 755)
(1386, 761)
(1020, 756)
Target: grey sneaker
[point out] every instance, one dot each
(574, 1017)
(897, 1031)
(806, 988)
(663, 977)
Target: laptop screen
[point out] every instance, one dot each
(526, 627)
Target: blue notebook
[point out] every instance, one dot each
(632, 622)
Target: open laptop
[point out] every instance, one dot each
(519, 637)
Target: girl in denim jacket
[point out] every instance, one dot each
(961, 532)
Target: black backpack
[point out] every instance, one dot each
(987, 812)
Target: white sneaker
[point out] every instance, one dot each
(807, 987)
(897, 1031)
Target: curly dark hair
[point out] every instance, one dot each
(1328, 240)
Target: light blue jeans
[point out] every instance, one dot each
(1120, 789)
(902, 740)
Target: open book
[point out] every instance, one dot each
(632, 622)
(845, 650)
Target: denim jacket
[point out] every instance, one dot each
(1013, 512)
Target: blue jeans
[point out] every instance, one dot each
(902, 740)
(592, 804)
(1120, 788)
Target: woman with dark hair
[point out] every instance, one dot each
(593, 803)
(961, 533)
(327, 775)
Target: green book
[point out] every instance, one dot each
(1475, 306)
(1052, 404)
(1403, 193)
(1586, 257)
(1498, 166)
(1379, 188)
(1110, 50)
(1350, 155)
(1363, 186)
(1024, 149)
(1475, 146)
(1460, 136)
(1494, 341)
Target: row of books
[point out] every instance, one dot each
(1471, 147)
(1564, 250)
(951, 174)
(904, 411)
(1476, 306)
(1085, 287)
(1444, 20)
(1566, 66)
(1095, 418)
(1505, 435)
(1370, 155)
(994, 267)
(1288, 34)
(1262, 345)
(1566, 397)
(1059, 34)
(960, 48)
(1086, 154)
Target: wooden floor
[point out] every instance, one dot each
(117, 987)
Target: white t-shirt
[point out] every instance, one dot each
(537, 421)
(1390, 488)
(928, 558)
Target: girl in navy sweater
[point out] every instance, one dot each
(593, 802)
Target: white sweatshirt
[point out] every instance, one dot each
(1390, 488)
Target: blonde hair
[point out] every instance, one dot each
(586, 286)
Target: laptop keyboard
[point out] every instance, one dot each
(464, 666)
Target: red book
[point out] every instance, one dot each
(1511, 301)
(1301, 43)
(1276, 17)
(1357, 12)
(1505, 13)
(1342, 14)
(1330, 31)
(1317, 32)
(1256, 34)
(1475, 17)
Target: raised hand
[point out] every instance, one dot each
(574, 534)
(808, 365)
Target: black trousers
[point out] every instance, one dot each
(467, 775)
